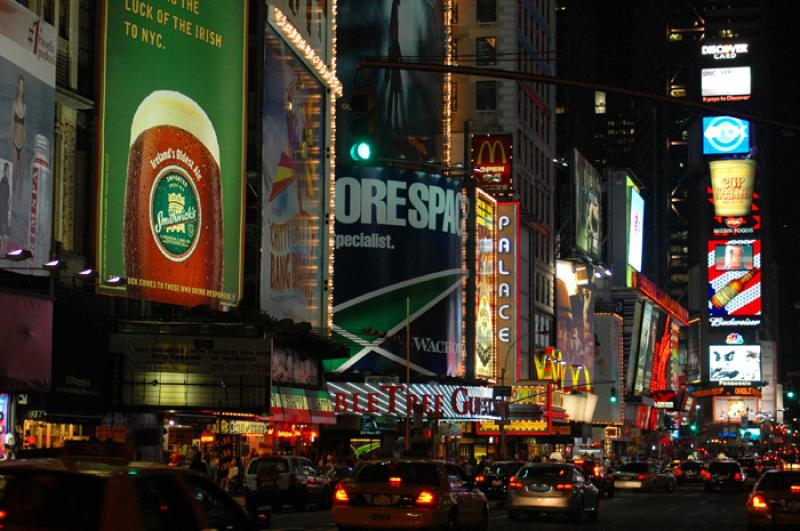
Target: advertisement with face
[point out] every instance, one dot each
(485, 348)
(171, 152)
(635, 229)
(734, 282)
(409, 104)
(587, 206)
(732, 409)
(575, 314)
(384, 218)
(27, 109)
(294, 188)
(293, 367)
(734, 363)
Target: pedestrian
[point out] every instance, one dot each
(198, 464)
(8, 453)
(213, 469)
(469, 468)
(232, 479)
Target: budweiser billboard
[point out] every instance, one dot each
(491, 162)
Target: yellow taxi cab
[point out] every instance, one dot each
(94, 493)
(409, 494)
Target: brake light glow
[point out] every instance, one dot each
(395, 481)
(578, 461)
(564, 486)
(598, 470)
(737, 476)
(341, 495)
(514, 484)
(426, 498)
(2, 514)
(678, 472)
(758, 502)
(479, 479)
(795, 489)
(641, 477)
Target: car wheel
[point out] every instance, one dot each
(326, 501)
(592, 516)
(513, 516)
(483, 523)
(577, 516)
(300, 500)
(452, 521)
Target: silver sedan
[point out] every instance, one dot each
(553, 489)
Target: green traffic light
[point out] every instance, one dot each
(361, 151)
(613, 399)
(694, 427)
(790, 394)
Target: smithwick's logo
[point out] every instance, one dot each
(175, 213)
(432, 346)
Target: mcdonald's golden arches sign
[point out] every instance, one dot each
(491, 162)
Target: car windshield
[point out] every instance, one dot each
(50, 500)
(639, 468)
(725, 468)
(409, 473)
(779, 481)
(544, 472)
(268, 465)
(691, 465)
(503, 469)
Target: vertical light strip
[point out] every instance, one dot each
(332, 164)
(448, 89)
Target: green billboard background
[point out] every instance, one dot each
(197, 48)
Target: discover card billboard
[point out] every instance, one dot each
(386, 221)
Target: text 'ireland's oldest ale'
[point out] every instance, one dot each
(173, 204)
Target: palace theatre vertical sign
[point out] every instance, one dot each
(507, 290)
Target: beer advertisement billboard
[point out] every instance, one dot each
(28, 48)
(171, 151)
(491, 162)
(507, 288)
(734, 283)
(385, 217)
(408, 106)
(295, 188)
(575, 316)
(485, 296)
(587, 206)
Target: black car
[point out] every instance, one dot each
(725, 475)
(689, 472)
(749, 466)
(492, 478)
(597, 475)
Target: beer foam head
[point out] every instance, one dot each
(167, 107)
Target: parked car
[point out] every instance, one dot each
(597, 474)
(492, 478)
(84, 495)
(689, 472)
(726, 474)
(282, 480)
(775, 501)
(640, 475)
(410, 493)
(552, 489)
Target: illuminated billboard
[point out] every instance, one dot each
(734, 363)
(725, 84)
(295, 188)
(723, 135)
(491, 162)
(724, 51)
(731, 409)
(645, 348)
(587, 206)
(171, 152)
(575, 314)
(732, 185)
(28, 49)
(734, 282)
(507, 315)
(384, 217)
(485, 259)
(635, 229)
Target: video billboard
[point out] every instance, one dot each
(645, 348)
(491, 162)
(732, 408)
(575, 315)
(725, 135)
(587, 206)
(734, 363)
(635, 229)
(294, 188)
(734, 282)
(409, 105)
(725, 84)
(28, 49)
(485, 295)
(171, 152)
(385, 218)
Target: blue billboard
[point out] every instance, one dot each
(397, 253)
(724, 135)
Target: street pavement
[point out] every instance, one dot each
(689, 508)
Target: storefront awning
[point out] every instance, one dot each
(301, 406)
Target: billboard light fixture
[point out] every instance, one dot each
(18, 255)
(55, 264)
(87, 273)
(116, 280)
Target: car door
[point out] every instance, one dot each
(163, 503)
(218, 509)
(461, 489)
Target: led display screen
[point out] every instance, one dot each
(734, 363)
(724, 135)
(725, 84)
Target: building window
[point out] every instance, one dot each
(486, 96)
(486, 11)
(486, 51)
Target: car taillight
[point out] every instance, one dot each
(340, 496)
(598, 471)
(2, 514)
(795, 489)
(678, 472)
(641, 477)
(564, 486)
(426, 498)
(513, 484)
(395, 481)
(479, 479)
(737, 476)
(758, 502)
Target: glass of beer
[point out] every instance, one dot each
(173, 231)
